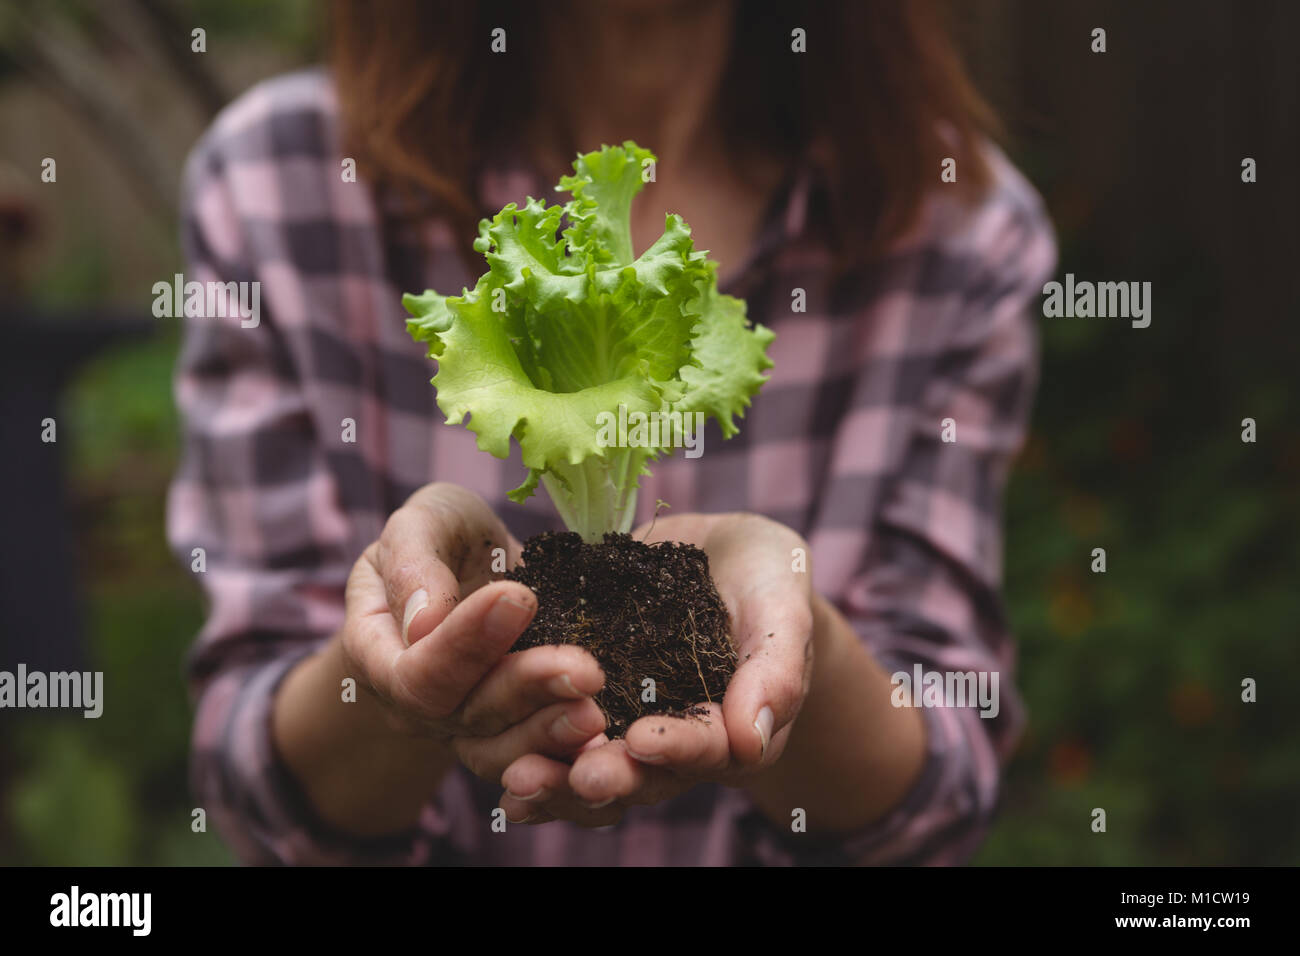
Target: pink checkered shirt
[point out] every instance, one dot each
(843, 445)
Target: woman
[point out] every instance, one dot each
(356, 702)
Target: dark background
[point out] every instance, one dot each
(1133, 677)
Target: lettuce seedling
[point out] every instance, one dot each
(567, 324)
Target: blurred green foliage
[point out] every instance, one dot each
(1133, 678)
(114, 789)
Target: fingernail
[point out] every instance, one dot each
(561, 686)
(565, 731)
(597, 806)
(507, 618)
(532, 796)
(763, 724)
(644, 758)
(416, 603)
(524, 819)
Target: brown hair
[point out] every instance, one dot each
(422, 106)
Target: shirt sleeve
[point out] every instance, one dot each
(925, 584)
(254, 513)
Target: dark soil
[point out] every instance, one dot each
(643, 611)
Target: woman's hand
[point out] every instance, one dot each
(429, 630)
(426, 637)
(752, 561)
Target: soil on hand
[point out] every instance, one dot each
(645, 612)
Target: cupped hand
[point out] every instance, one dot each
(428, 629)
(756, 565)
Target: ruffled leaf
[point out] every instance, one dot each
(568, 326)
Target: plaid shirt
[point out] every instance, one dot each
(843, 445)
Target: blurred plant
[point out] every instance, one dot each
(114, 790)
(1133, 677)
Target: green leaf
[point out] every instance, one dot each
(728, 358)
(567, 327)
(603, 185)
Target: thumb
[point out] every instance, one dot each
(445, 666)
(443, 543)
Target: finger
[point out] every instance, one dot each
(523, 813)
(420, 589)
(471, 533)
(771, 613)
(440, 670)
(560, 808)
(533, 776)
(528, 782)
(434, 550)
(537, 790)
(520, 684)
(371, 638)
(693, 746)
(556, 731)
(608, 774)
(604, 774)
(772, 678)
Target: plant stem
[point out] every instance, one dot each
(598, 495)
